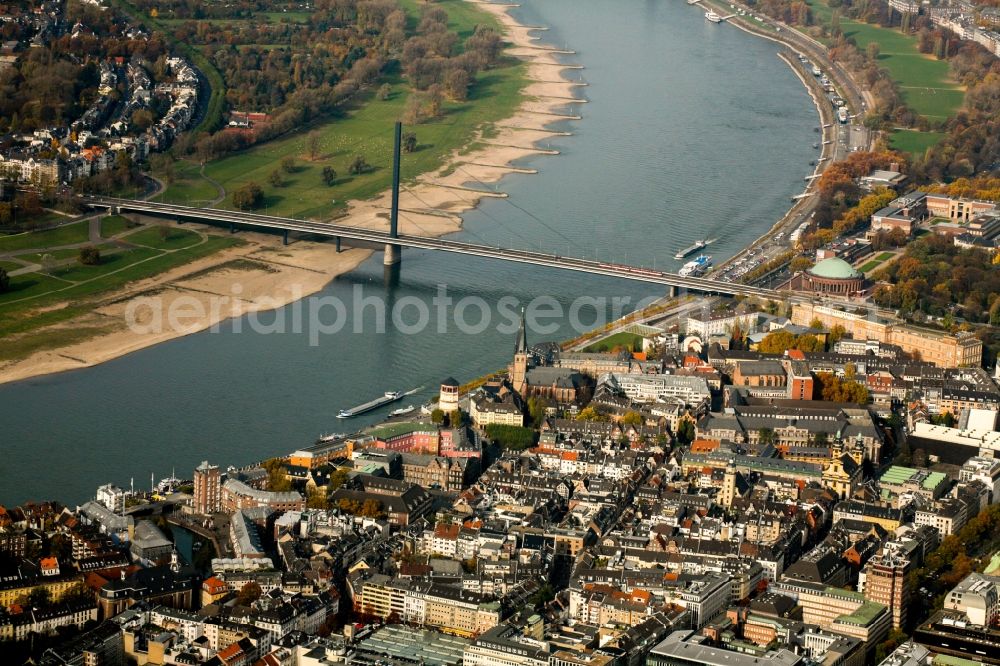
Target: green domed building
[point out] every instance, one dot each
(834, 276)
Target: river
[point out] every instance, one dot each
(692, 130)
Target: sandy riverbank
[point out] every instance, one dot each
(263, 274)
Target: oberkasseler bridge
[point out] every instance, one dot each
(393, 242)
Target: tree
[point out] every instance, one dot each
(39, 597)
(359, 165)
(276, 179)
(317, 499)
(248, 594)
(455, 418)
(248, 197)
(872, 51)
(766, 436)
(537, 407)
(313, 144)
(686, 431)
(288, 164)
(590, 414)
(142, 119)
(277, 480)
(4, 281)
(89, 256)
(776, 342)
(338, 478)
(410, 142)
(384, 91)
(836, 334)
(329, 176)
(799, 264)
(437, 416)
(512, 438)
(456, 84)
(372, 508)
(632, 418)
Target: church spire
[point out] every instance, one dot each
(521, 346)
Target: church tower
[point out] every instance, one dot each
(728, 493)
(519, 368)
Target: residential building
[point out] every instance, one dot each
(238, 495)
(207, 489)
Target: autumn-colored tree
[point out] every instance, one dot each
(248, 594)
(632, 418)
(313, 143)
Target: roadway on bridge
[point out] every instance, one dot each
(254, 220)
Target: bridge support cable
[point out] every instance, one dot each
(527, 212)
(392, 254)
(464, 229)
(482, 211)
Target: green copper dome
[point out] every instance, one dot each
(834, 268)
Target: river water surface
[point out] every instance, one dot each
(692, 130)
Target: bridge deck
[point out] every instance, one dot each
(254, 220)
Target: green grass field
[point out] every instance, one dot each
(925, 82)
(112, 225)
(913, 141)
(366, 131)
(165, 238)
(623, 339)
(55, 255)
(65, 235)
(885, 256)
(871, 265)
(75, 283)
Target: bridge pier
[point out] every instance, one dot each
(338, 243)
(391, 255)
(232, 227)
(179, 221)
(284, 237)
(672, 291)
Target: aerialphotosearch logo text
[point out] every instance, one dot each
(319, 316)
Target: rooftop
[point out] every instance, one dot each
(834, 268)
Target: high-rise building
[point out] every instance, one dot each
(207, 488)
(884, 581)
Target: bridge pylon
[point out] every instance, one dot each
(393, 253)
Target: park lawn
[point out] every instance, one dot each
(10, 265)
(290, 17)
(623, 339)
(885, 256)
(913, 141)
(871, 265)
(110, 261)
(57, 255)
(176, 239)
(189, 187)
(19, 307)
(463, 16)
(112, 225)
(925, 82)
(76, 232)
(366, 131)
